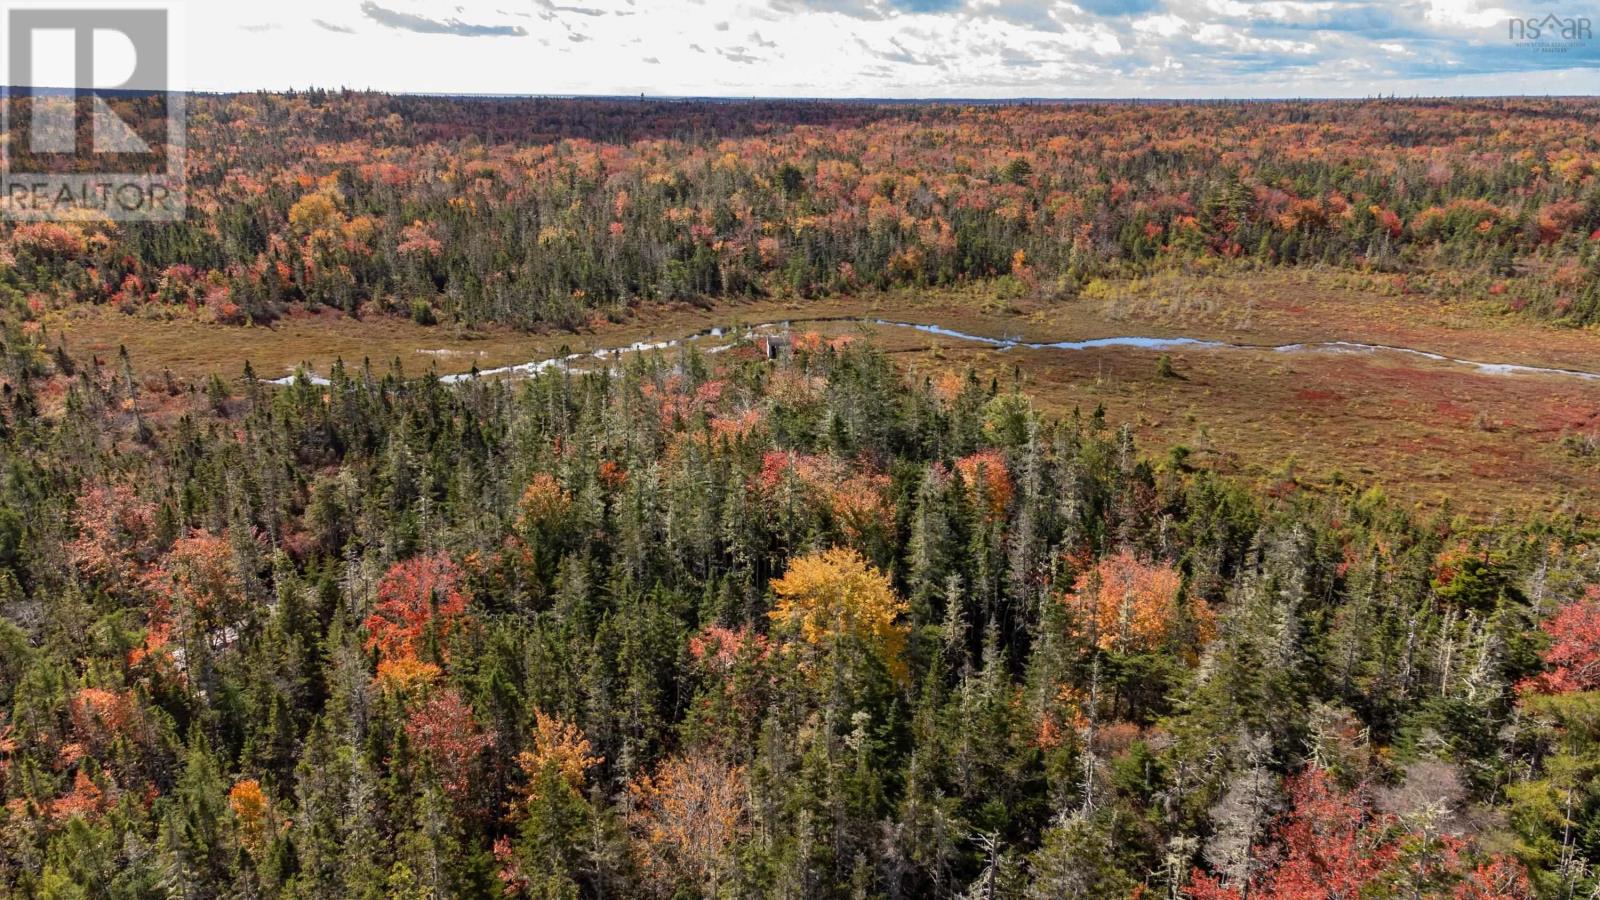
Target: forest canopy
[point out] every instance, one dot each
(797, 618)
(547, 213)
(814, 626)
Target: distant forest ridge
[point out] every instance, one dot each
(542, 212)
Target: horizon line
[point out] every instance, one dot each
(7, 90)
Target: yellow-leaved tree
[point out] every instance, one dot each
(835, 594)
(314, 212)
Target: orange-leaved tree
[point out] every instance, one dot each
(837, 595)
(544, 503)
(858, 501)
(984, 473)
(86, 800)
(199, 581)
(116, 533)
(253, 810)
(684, 817)
(101, 717)
(560, 753)
(1125, 605)
(552, 817)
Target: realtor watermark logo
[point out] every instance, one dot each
(1550, 33)
(93, 112)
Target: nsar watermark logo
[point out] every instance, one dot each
(93, 113)
(1550, 33)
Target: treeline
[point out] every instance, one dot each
(802, 628)
(545, 213)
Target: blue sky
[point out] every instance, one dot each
(896, 48)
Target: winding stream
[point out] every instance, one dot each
(571, 360)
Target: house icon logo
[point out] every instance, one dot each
(1550, 32)
(93, 108)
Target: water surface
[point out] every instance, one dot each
(571, 361)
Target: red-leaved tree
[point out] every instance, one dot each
(447, 735)
(415, 597)
(1331, 845)
(1574, 652)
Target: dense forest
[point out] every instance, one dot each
(550, 213)
(730, 626)
(794, 619)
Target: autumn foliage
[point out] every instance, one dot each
(100, 716)
(718, 649)
(985, 475)
(85, 800)
(667, 652)
(1126, 605)
(856, 499)
(251, 808)
(200, 578)
(116, 532)
(417, 599)
(444, 730)
(543, 502)
(559, 747)
(1573, 657)
(665, 200)
(1330, 845)
(684, 816)
(835, 595)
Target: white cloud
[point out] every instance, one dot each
(884, 48)
(1162, 25)
(1466, 13)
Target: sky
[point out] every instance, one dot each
(990, 49)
